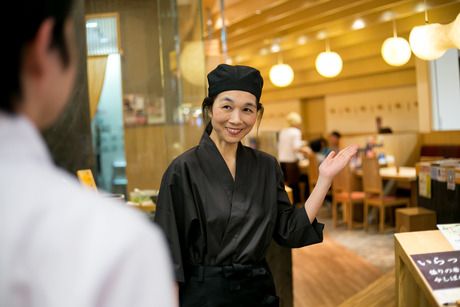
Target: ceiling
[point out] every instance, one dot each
(301, 28)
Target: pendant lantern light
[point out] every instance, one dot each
(426, 41)
(396, 50)
(329, 64)
(281, 75)
(431, 41)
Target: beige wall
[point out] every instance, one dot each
(355, 113)
(275, 114)
(350, 113)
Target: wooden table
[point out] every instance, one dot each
(146, 207)
(411, 287)
(401, 173)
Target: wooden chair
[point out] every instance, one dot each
(374, 197)
(313, 171)
(342, 193)
(289, 193)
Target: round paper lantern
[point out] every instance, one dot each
(426, 41)
(192, 65)
(329, 64)
(454, 32)
(281, 75)
(396, 51)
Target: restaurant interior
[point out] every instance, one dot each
(342, 66)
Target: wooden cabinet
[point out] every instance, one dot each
(411, 287)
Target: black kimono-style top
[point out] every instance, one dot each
(211, 219)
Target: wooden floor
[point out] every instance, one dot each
(381, 293)
(328, 274)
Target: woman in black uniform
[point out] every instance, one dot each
(221, 203)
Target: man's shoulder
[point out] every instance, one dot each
(57, 199)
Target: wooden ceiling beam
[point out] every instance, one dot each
(363, 67)
(269, 9)
(306, 18)
(334, 27)
(351, 38)
(385, 80)
(240, 11)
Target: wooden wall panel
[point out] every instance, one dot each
(150, 149)
(441, 138)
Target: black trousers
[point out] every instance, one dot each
(228, 286)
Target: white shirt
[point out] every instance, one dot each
(64, 246)
(290, 140)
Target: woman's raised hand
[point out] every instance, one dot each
(335, 162)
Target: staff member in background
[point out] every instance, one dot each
(221, 203)
(289, 146)
(60, 244)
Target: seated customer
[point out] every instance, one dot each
(380, 128)
(334, 141)
(319, 148)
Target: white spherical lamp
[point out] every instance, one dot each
(396, 51)
(454, 32)
(427, 42)
(281, 75)
(329, 64)
(192, 65)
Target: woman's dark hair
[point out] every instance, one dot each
(206, 107)
(27, 17)
(317, 145)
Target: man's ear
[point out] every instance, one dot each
(39, 49)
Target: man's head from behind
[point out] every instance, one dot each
(39, 58)
(334, 138)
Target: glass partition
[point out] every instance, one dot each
(162, 84)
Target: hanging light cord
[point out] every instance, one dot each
(280, 58)
(426, 12)
(223, 33)
(328, 46)
(395, 33)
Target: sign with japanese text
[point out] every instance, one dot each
(441, 270)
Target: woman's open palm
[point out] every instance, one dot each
(335, 162)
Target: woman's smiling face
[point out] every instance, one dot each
(233, 115)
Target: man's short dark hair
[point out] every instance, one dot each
(336, 134)
(317, 145)
(18, 27)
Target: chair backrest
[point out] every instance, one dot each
(313, 171)
(372, 182)
(289, 193)
(342, 182)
